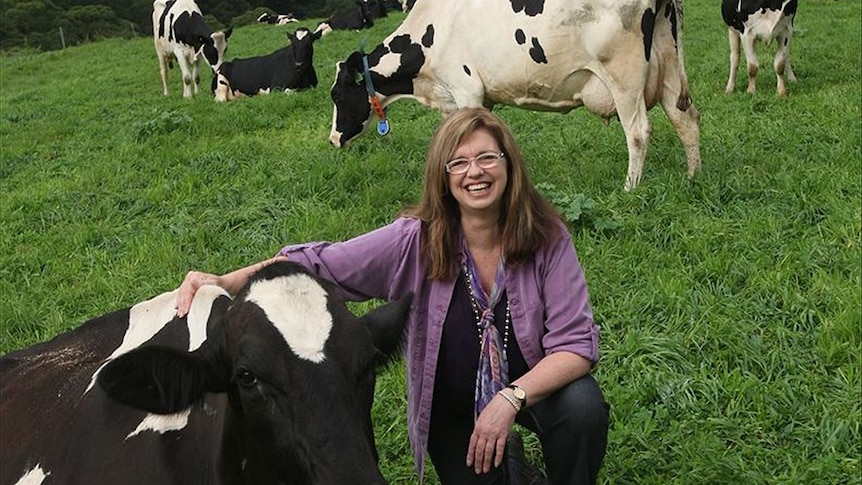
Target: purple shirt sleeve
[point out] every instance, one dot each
(373, 265)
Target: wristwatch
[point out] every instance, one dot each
(519, 393)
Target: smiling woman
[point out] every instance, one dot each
(502, 329)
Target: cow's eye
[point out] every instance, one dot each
(246, 379)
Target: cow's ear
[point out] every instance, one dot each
(158, 379)
(386, 324)
(354, 64)
(228, 32)
(317, 34)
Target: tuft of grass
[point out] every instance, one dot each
(730, 305)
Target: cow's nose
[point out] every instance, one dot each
(335, 139)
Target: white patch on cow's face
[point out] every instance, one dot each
(296, 306)
(33, 477)
(162, 423)
(301, 34)
(147, 318)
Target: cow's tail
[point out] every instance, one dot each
(683, 102)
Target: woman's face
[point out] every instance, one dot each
(479, 191)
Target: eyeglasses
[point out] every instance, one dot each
(484, 160)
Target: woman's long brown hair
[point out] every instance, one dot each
(527, 221)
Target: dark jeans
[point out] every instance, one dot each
(572, 426)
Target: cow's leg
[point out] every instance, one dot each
(186, 68)
(748, 44)
(619, 87)
(636, 125)
(628, 99)
(782, 63)
(733, 38)
(685, 122)
(196, 74)
(163, 71)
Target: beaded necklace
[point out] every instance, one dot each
(472, 292)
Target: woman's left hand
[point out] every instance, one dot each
(488, 441)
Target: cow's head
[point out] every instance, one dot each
(393, 66)
(299, 371)
(366, 8)
(352, 109)
(214, 47)
(302, 45)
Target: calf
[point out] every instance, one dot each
(618, 58)
(266, 18)
(287, 69)
(275, 386)
(356, 18)
(766, 20)
(179, 31)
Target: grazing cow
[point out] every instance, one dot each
(275, 386)
(179, 31)
(355, 18)
(764, 20)
(615, 57)
(290, 68)
(266, 18)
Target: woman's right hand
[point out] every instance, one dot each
(186, 292)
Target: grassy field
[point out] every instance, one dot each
(729, 305)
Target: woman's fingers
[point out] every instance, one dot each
(187, 290)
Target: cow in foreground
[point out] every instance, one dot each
(275, 386)
(766, 20)
(354, 18)
(266, 18)
(179, 31)
(617, 58)
(290, 68)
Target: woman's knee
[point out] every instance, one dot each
(577, 407)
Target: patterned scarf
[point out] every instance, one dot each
(493, 373)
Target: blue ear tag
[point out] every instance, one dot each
(382, 127)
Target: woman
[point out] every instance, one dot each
(501, 328)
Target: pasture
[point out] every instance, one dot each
(730, 305)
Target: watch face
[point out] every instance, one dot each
(519, 393)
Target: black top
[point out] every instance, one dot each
(458, 361)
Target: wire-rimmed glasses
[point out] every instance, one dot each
(484, 160)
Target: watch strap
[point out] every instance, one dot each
(515, 388)
(515, 402)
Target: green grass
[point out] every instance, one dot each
(730, 306)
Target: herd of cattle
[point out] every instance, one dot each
(231, 393)
(616, 58)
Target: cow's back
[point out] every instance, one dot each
(58, 425)
(532, 59)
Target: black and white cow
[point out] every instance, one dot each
(290, 68)
(266, 18)
(617, 58)
(766, 20)
(179, 31)
(273, 387)
(354, 18)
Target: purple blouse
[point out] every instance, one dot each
(548, 301)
